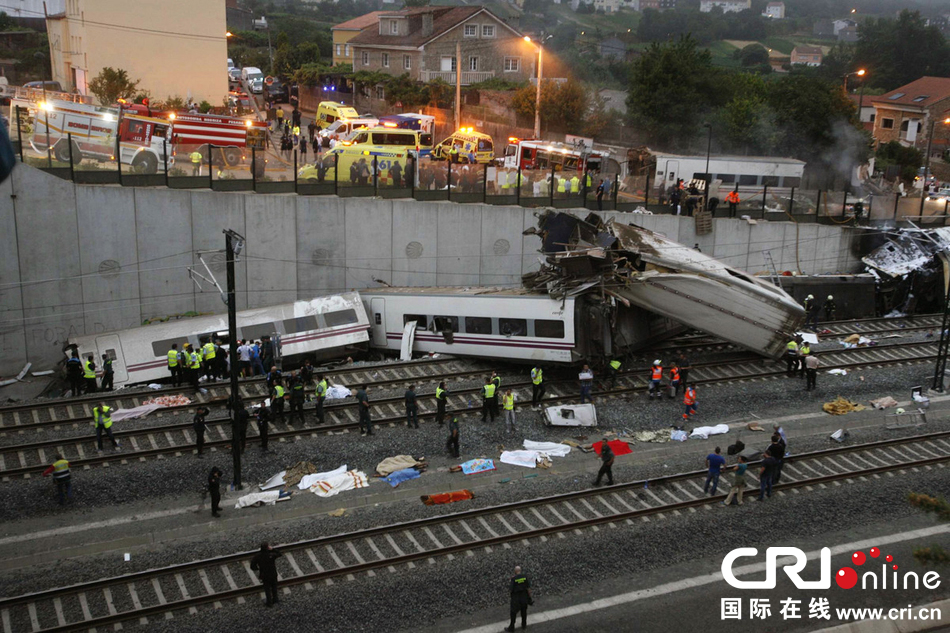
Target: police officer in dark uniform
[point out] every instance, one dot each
(214, 487)
(263, 419)
(74, 374)
(452, 444)
(297, 398)
(108, 374)
(520, 599)
(199, 425)
(412, 408)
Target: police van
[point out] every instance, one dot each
(330, 111)
(387, 145)
(472, 147)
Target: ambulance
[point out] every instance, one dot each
(473, 147)
(330, 111)
(387, 145)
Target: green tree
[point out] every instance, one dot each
(812, 114)
(752, 55)
(563, 105)
(908, 158)
(896, 52)
(112, 84)
(940, 507)
(672, 87)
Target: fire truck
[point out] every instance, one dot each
(94, 131)
(232, 137)
(537, 154)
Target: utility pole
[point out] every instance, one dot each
(537, 94)
(944, 346)
(234, 245)
(458, 85)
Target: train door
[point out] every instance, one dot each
(111, 345)
(672, 169)
(378, 319)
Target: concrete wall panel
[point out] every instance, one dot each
(163, 225)
(271, 251)
(109, 254)
(369, 242)
(459, 229)
(217, 211)
(731, 242)
(321, 246)
(12, 335)
(808, 248)
(500, 246)
(530, 244)
(415, 243)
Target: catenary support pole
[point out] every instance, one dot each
(230, 237)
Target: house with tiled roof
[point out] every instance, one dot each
(807, 55)
(423, 41)
(346, 31)
(774, 10)
(905, 114)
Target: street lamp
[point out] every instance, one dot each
(537, 96)
(930, 140)
(859, 73)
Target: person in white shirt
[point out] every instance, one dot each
(244, 359)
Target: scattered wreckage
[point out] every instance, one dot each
(912, 270)
(641, 273)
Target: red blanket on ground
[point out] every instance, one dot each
(618, 447)
(447, 497)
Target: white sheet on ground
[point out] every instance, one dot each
(528, 459)
(308, 480)
(268, 498)
(338, 392)
(552, 449)
(135, 412)
(339, 483)
(703, 432)
(274, 482)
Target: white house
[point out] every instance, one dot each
(728, 6)
(840, 25)
(775, 10)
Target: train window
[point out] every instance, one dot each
(161, 348)
(258, 331)
(477, 325)
(111, 354)
(379, 319)
(770, 181)
(548, 329)
(421, 320)
(513, 327)
(300, 324)
(341, 317)
(443, 323)
(792, 181)
(726, 179)
(748, 181)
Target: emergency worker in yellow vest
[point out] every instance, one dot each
(174, 364)
(61, 477)
(508, 402)
(791, 357)
(277, 401)
(612, 371)
(321, 396)
(208, 356)
(89, 374)
(440, 395)
(195, 162)
(488, 397)
(102, 421)
(193, 366)
(575, 184)
(537, 386)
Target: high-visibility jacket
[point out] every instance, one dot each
(675, 374)
(489, 390)
(88, 371)
(173, 358)
(804, 350)
(102, 416)
(588, 180)
(615, 364)
(296, 130)
(195, 361)
(536, 376)
(60, 469)
(792, 346)
(509, 402)
(208, 351)
(439, 393)
(656, 373)
(561, 185)
(195, 157)
(689, 396)
(278, 392)
(575, 184)
(322, 388)
(733, 197)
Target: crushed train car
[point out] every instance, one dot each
(912, 270)
(645, 273)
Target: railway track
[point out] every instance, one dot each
(179, 589)
(27, 459)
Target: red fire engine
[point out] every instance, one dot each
(537, 154)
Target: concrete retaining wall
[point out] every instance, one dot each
(78, 259)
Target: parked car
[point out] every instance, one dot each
(45, 85)
(234, 74)
(942, 194)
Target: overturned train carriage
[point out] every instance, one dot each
(651, 281)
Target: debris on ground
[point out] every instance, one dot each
(337, 513)
(177, 400)
(884, 403)
(839, 435)
(678, 435)
(651, 436)
(754, 426)
(477, 465)
(837, 372)
(840, 406)
(298, 471)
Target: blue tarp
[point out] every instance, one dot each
(396, 478)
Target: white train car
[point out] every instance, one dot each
(509, 324)
(747, 172)
(323, 327)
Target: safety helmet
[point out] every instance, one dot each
(830, 298)
(810, 297)
(657, 362)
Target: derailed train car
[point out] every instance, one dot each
(641, 269)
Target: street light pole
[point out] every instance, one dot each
(537, 96)
(706, 175)
(234, 245)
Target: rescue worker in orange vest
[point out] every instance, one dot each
(656, 375)
(674, 380)
(689, 399)
(733, 199)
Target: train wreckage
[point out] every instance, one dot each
(648, 284)
(912, 269)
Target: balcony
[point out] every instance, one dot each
(448, 76)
